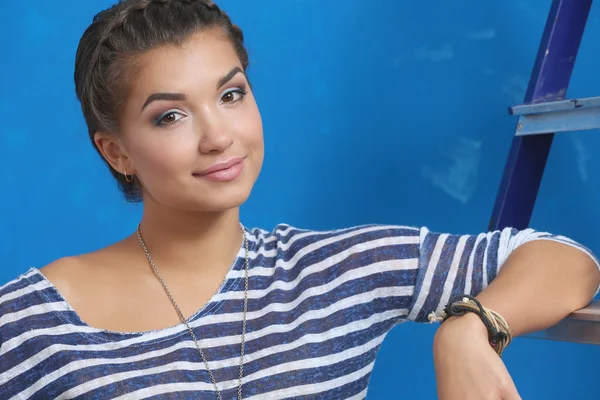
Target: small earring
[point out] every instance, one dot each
(204, 140)
(127, 179)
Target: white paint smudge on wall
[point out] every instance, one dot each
(515, 87)
(457, 175)
(485, 34)
(582, 156)
(444, 53)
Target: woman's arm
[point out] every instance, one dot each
(539, 284)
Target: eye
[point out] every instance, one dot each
(233, 96)
(168, 118)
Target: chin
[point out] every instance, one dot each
(219, 201)
(221, 206)
(212, 198)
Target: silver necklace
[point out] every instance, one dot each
(182, 318)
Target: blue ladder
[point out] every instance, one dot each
(545, 112)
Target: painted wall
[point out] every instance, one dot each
(374, 111)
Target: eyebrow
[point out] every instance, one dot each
(229, 76)
(181, 96)
(164, 96)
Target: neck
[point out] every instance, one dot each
(185, 241)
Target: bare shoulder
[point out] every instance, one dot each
(56, 269)
(76, 276)
(67, 274)
(113, 288)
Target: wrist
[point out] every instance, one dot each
(460, 325)
(468, 325)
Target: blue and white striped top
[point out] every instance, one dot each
(320, 305)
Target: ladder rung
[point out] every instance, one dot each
(552, 106)
(558, 116)
(582, 326)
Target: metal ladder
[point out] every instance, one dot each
(545, 112)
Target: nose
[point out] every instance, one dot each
(214, 133)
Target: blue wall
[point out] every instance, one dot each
(374, 111)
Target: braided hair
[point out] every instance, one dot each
(108, 48)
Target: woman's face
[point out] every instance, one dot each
(190, 129)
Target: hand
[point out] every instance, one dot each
(466, 366)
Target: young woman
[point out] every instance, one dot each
(194, 305)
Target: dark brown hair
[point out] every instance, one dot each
(108, 49)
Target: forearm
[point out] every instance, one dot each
(540, 283)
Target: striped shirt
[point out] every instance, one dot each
(320, 305)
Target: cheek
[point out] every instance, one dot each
(165, 156)
(254, 137)
(252, 129)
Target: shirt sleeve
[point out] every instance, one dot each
(451, 265)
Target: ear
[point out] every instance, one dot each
(114, 152)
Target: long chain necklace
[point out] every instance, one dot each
(182, 318)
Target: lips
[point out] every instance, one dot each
(220, 166)
(224, 171)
